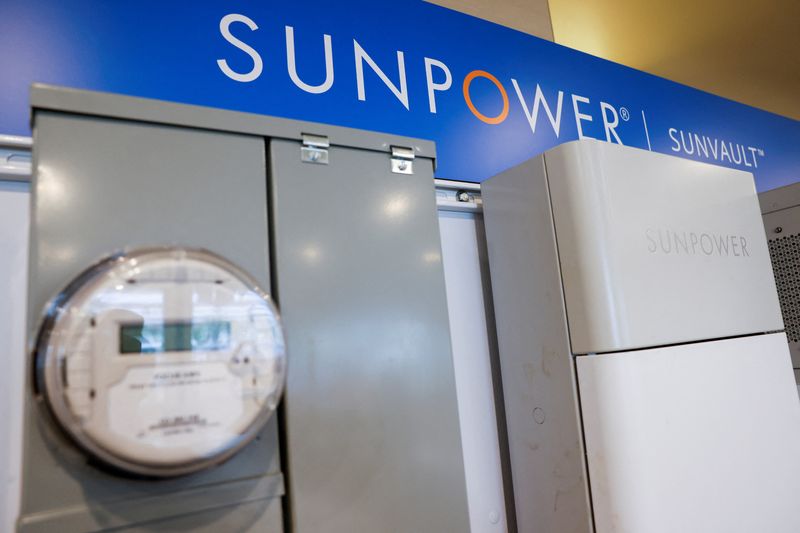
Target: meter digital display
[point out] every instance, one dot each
(162, 362)
(176, 337)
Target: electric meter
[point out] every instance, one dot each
(162, 362)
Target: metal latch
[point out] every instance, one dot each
(315, 149)
(402, 160)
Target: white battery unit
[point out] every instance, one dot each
(646, 375)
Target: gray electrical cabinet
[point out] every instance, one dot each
(781, 210)
(340, 227)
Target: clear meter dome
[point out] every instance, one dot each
(162, 362)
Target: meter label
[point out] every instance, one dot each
(176, 405)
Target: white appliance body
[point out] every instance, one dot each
(693, 438)
(680, 392)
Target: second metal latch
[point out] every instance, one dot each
(315, 149)
(402, 160)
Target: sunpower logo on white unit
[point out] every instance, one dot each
(714, 149)
(669, 241)
(439, 80)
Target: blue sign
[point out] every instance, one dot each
(490, 97)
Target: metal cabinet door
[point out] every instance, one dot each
(101, 185)
(372, 431)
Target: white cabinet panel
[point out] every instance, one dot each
(657, 250)
(698, 438)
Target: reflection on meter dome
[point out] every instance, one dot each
(174, 337)
(210, 366)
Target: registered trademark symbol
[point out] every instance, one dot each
(624, 113)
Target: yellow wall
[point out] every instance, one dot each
(748, 51)
(745, 50)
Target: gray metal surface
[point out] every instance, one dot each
(247, 516)
(101, 184)
(371, 416)
(541, 398)
(158, 112)
(458, 197)
(784, 197)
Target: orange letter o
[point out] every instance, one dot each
(483, 74)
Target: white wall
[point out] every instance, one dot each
(461, 255)
(14, 200)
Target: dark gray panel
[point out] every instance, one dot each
(102, 184)
(259, 516)
(541, 398)
(244, 505)
(783, 235)
(784, 197)
(371, 415)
